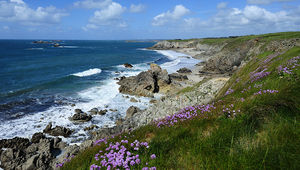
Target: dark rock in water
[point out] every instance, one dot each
(57, 131)
(127, 65)
(78, 111)
(94, 111)
(40, 42)
(37, 136)
(133, 100)
(178, 77)
(90, 127)
(123, 77)
(102, 112)
(73, 105)
(116, 78)
(113, 110)
(131, 111)
(56, 45)
(81, 117)
(15, 143)
(184, 70)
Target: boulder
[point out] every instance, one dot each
(131, 111)
(102, 112)
(90, 127)
(127, 65)
(81, 117)
(145, 83)
(133, 100)
(184, 70)
(37, 136)
(57, 131)
(78, 111)
(94, 111)
(178, 77)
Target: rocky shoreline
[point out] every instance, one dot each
(40, 152)
(168, 95)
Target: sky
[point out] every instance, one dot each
(144, 19)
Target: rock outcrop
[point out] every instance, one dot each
(178, 77)
(184, 70)
(127, 65)
(80, 116)
(57, 131)
(145, 83)
(38, 154)
(224, 55)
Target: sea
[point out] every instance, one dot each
(40, 83)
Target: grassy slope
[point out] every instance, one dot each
(265, 135)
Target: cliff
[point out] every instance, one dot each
(223, 55)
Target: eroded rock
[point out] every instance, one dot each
(57, 131)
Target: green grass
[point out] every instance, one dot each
(232, 43)
(265, 135)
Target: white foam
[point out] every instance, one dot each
(35, 49)
(103, 96)
(88, 72)
(179, 60)
(68, 46)
(172, 55)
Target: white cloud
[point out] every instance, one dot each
(6, 28)
(106, 16)
(18, 11)
(251, 19)
(222, 5)
(89, 27)
(178, 12)
(111, 15)
(260, 2)
(92, 4)
(17, 1)
(137, 8)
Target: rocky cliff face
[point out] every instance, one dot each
(226, 56)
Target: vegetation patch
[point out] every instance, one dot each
(252, 124)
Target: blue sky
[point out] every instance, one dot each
(144, 19)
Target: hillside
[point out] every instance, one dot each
(252, 123)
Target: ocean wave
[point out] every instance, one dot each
(35, 49)
(172, 55)
(68, 47)
(88, 72)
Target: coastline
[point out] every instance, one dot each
(209, 78)
(205, 89)
(145, 116)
